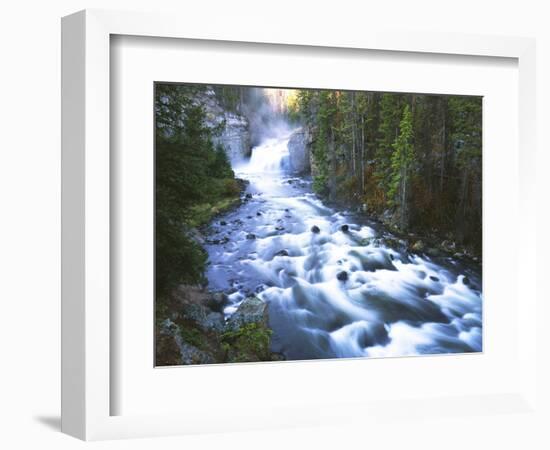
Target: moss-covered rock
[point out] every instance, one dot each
(195, 334)
(250, 342)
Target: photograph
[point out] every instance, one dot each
(298, 224)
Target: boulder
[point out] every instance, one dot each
(203, 316)
(251, 310)
(217, 301)
(247, 336)
(418, 246)
(342, 276)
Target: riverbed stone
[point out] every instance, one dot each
(342, 276)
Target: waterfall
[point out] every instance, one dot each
(270, 157)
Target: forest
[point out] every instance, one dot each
(296, 224)
(193, 181)
(416, 158)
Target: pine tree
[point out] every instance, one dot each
(401, 166)
(189, 171)
(390, 114)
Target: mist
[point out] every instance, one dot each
(267, 113)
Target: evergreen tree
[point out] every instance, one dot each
(189, 171)
(417, 155)
(401, 166)
(390, 116)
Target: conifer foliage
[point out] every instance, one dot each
(415, 157)
(189, 171)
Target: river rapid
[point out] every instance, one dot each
(335, 289)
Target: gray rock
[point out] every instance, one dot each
(235, 137)
(168, 328)
(205, 318)
(217, 301)
(251, 310)
(196, 236)
(235, 134)
(299, 152)
(192, 355)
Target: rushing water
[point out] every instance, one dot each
(338, 292)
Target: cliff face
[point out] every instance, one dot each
(236, 137)
(235, 129)
(298, 148)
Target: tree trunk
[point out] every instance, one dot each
(404, 205)
(362, 154)
(353, 155)
(332, 174)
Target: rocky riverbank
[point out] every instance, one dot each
(192, 330)
(432, 244)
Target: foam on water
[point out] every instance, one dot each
(390, 303)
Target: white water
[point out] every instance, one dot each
(392, 304)
(268, 158)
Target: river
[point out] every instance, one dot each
(333, 285)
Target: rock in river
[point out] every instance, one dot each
(342, 276)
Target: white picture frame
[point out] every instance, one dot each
(86, 221)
